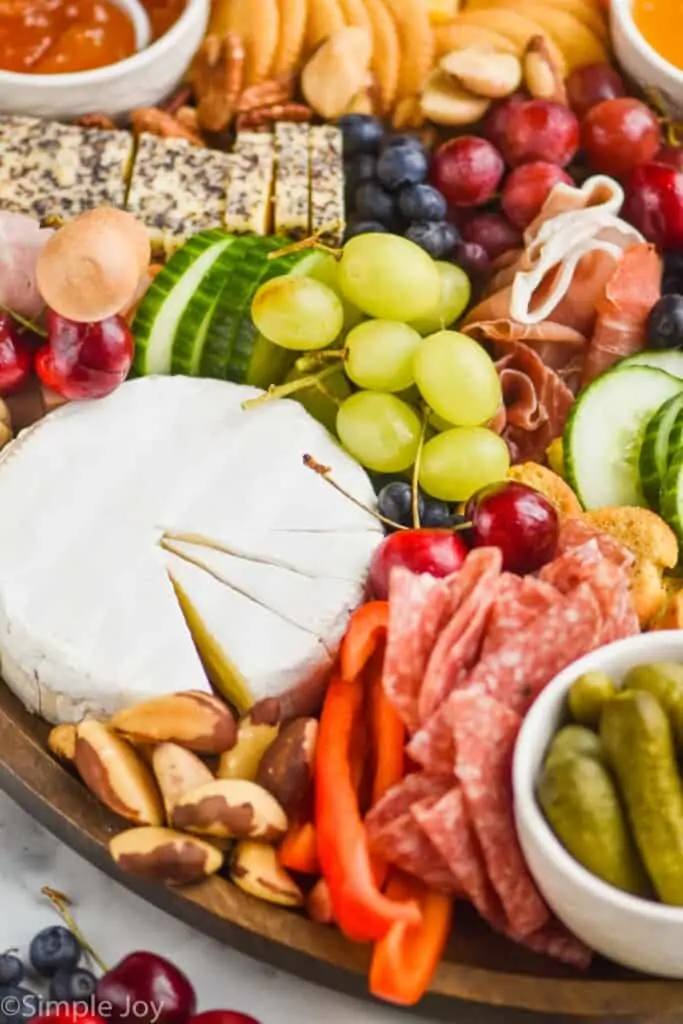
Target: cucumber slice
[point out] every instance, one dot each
(191, 333)
(604, 433)
(655, 450)
(167, 298)
(671, 496)
(669, 360)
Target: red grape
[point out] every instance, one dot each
(493, 233)
(540, 130)
(516, 519)
(472, 258)
(590, 84)
(654, 204)
(467, 170)
(619, 134)
(527, 189)
(16, 357)
(494, 127)
(671, 155)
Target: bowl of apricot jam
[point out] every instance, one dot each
(648, 43)
(65, 58)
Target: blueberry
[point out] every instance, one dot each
(364, 227)
(362, 134)
(72, 986)
(11, 969)
(359, 169)
(665, 323)
(422, 202)
(54, 949)
(395, 502)
(402, 165)
(17, 1004)
(372, 202)
(436, 238)
(437, 515)
(403, 140)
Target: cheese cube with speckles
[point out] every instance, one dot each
(292, 180)
(327, 183)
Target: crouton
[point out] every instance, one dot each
(655, 546)
(550, 485)
(672, 615)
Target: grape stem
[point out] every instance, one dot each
(326, 471)
(307, 363)
(61, 903)
(306, 243)
(290, 388)
(29, 325)
(415, 484)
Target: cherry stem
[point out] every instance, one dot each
(415, 483)
(29, 325)
(305, 364)
(61, 903)
(283, 390)
(325, 473)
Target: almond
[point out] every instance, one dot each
(165, 856)
(113, 770)
(231, 809)
(255, 869)
(286, 768)
(62, 742)
(542, 76)
(337, 72)
(445, 102)
(177, 771)
(194, 720)
(484, 72)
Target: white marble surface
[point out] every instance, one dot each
(116, 922)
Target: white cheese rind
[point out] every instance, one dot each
(89, 620)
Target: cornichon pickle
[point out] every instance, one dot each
(664, 680)
(588, 695)
(638, 742)
(581, 803)
(574, 739)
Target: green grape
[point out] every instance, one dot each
(457, 379)
(380, 355)
(389, 277)
(458, 462)
(455, 296)
(326, 270)
(379, 430)
(297, 313)
(322, 402)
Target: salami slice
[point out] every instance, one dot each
(418, 608)
(574, 533)
(460, 641)
(447, 825)
(519, 671)
(432, 747)
(555, 941)
(518, 601)
(485, 734)
(401, 797)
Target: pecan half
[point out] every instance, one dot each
(95, 120)
(263, 116)
(217, 78)
(265, 94)
(158, 122)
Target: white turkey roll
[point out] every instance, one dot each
(164, 538)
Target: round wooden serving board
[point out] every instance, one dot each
(480, 967)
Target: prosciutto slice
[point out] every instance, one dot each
(21, 240)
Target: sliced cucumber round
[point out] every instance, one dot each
(671, 496)
(654, 451)
(669, 360)
(604, 434)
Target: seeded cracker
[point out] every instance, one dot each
(54, 170)
(327, 184)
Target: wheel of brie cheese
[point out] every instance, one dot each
(163, 539)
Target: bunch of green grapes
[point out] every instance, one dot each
(388, 304)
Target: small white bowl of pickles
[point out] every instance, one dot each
(598, 800)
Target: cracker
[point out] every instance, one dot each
(288, 54)
(325, 18)
(583, 10)
(257, 22)
(355, 13)
(549, 484)
(386, 52)
(416, 38)
(577, 42)
(457, 36)
(514, 26)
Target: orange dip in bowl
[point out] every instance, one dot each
(659, 22)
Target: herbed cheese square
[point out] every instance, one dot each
(177, 189)
(292, 180)
(327, 183)
(52, 170)
(250, 193)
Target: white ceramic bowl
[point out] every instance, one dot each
(142, 80)
(636, 933)
(640, 61)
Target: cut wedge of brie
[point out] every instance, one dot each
(163, 537)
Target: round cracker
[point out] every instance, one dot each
(355, 13)
(578, 44)
(457, 36)
(293, 15)
(583, 10)
(257, 22)
(325, 17)
(515, 27)
(549, 484)
(386, 52)
(417, 45)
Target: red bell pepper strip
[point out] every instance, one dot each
(299, 849)
(405, 960)
(389, 740)
(362, 912)
(366, 629)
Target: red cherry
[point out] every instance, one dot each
(619, 134)
(438, 552)
(81, 382)
(527, 189)
(493, 233)
(671, 155)
(60, 1014)
(222, 1017)
(16, 357)
(106, 346)
(467, 170)
(539, 130)
(516, 519)
(145, 989)
(654, 204)
(590, 84)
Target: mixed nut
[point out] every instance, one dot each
(202, 791)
